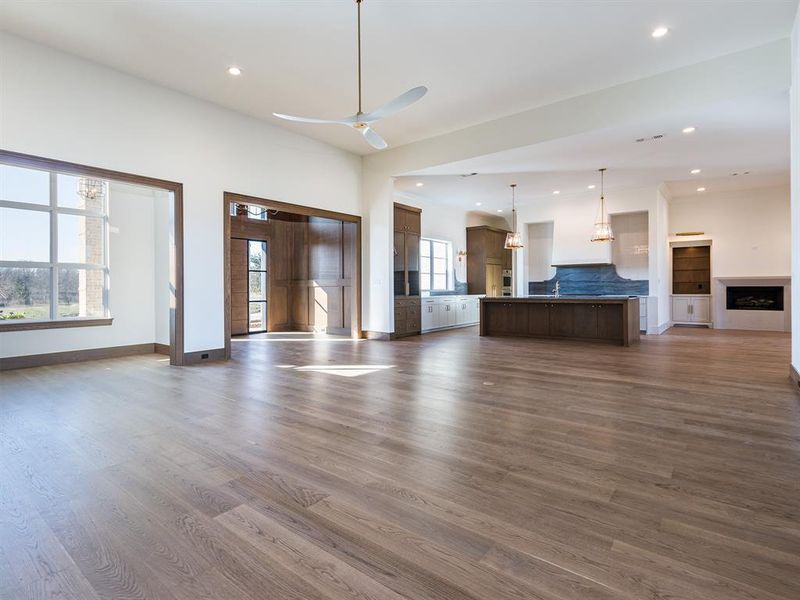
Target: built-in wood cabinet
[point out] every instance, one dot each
(407, 219)
(691, 310)
(486, 259)
(691, 270)
(407, 316)
(407, 229)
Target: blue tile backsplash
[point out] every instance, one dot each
(591, 280)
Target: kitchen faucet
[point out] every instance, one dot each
(557, 289)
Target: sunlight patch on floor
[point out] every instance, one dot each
(344, 370)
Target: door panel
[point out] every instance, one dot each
(399, 264)
(585, 320)
(239, 282)
(496, 319)
(609, 321)
(539, 319)
(562, 317)
(680, 310)
(494, 280)
(701, 310)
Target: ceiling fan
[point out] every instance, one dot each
(363, 121)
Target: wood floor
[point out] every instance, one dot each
(441, 467)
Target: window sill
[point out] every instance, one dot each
(23, 325)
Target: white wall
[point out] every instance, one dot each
(59, 106)
(660, 263)
(795, 211)
(629, 251)
(138, 261)
(540, 251)
(750, 229)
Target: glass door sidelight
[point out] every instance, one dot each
(257, 286)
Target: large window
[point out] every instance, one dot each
(434, 258)
(53, 246)
(257, 286)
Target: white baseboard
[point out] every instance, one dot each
(658, 330)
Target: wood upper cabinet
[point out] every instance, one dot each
(407, 219)
(407, 228)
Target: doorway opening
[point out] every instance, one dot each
(290, 269)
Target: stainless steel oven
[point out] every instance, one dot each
(507, 284)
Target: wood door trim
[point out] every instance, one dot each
(407, 207)
(297, 209)
(228, 197)
(176, 318)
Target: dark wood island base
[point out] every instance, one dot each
(606, 318)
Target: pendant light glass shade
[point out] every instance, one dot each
(513, 239)
(602, 226)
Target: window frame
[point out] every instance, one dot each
(265, 301)
(430, 260)
(53, 264)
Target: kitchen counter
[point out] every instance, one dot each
(603, 318)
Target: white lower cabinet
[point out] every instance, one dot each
(691, 310)
(441, 312)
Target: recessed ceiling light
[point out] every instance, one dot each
(660, 31)
(234, 70)
(688, 130)
(420, 184)
(591, 187)
(499, 210)
(694, 171)
(556, 191)
(701, 189)
(478, 203)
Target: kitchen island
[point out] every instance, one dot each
(605, 318)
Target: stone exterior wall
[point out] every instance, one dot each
(91, 282)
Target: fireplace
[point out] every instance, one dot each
(751, 297)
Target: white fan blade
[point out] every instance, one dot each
(396, 105)
(373, 138)
(345, 121)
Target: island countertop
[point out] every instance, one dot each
(561, 298)
(607, 318)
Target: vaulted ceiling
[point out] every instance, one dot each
(481, 60)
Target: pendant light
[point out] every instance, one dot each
(602, 227)
(513, 240)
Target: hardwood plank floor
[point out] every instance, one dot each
(442, 467)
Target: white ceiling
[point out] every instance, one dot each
(481, 60)
(746, 134)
